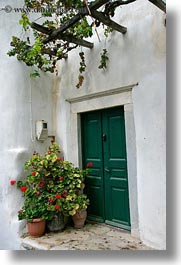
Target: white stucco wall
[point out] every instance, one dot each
(15, 119)
(138, 56)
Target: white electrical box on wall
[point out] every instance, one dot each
(41, 130)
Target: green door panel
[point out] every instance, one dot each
(104, 144)
(115, 167)
(92, 152)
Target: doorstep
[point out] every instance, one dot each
(91, 237)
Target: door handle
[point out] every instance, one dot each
(104, 137)
(107, 170)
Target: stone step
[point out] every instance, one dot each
(91, 237)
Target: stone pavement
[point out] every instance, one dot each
(91, 237)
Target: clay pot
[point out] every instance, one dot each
(79, 218)
(36, 228)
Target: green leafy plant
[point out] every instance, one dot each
(36, 50)
(81, 69)
(52, 185)
(34, 206)
(104, 60)
(107, 31)
(34, 74)
(64, 26)
(24, 21)
(75, 203)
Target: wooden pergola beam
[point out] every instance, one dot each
(40, 28)
(70, 38)
(64, 27)
(57, 33)
(121, 3)
(160, 4)
(83, 12)
(108, 22)
(97, 4)
(100, 16)
(62, 36)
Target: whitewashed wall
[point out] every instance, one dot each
(15, 121)
(138, 56)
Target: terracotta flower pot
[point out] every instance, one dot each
(36, 228)
(79, 218)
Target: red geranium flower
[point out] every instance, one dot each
(41, 184)
(33, 173)
(59, 159)
(12, 182)
(58, 196)
(57, 207)
(61, 178)
(50, 200)
(38, 193)
(90, 164)
(23, 188)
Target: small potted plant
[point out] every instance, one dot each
(76, 205)
(34, 208)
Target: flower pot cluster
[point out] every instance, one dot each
(52, 189)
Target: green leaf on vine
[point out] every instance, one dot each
(34, 74)
(24, 21)
(104, 59)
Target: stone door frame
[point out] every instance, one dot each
(108, 99)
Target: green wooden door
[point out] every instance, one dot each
(104, 144)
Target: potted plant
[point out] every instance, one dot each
(38, 187)
(34, 208)
(45, 172)
(76, 205)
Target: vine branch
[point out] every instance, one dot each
(65, 37)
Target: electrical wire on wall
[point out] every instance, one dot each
(31, 115)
